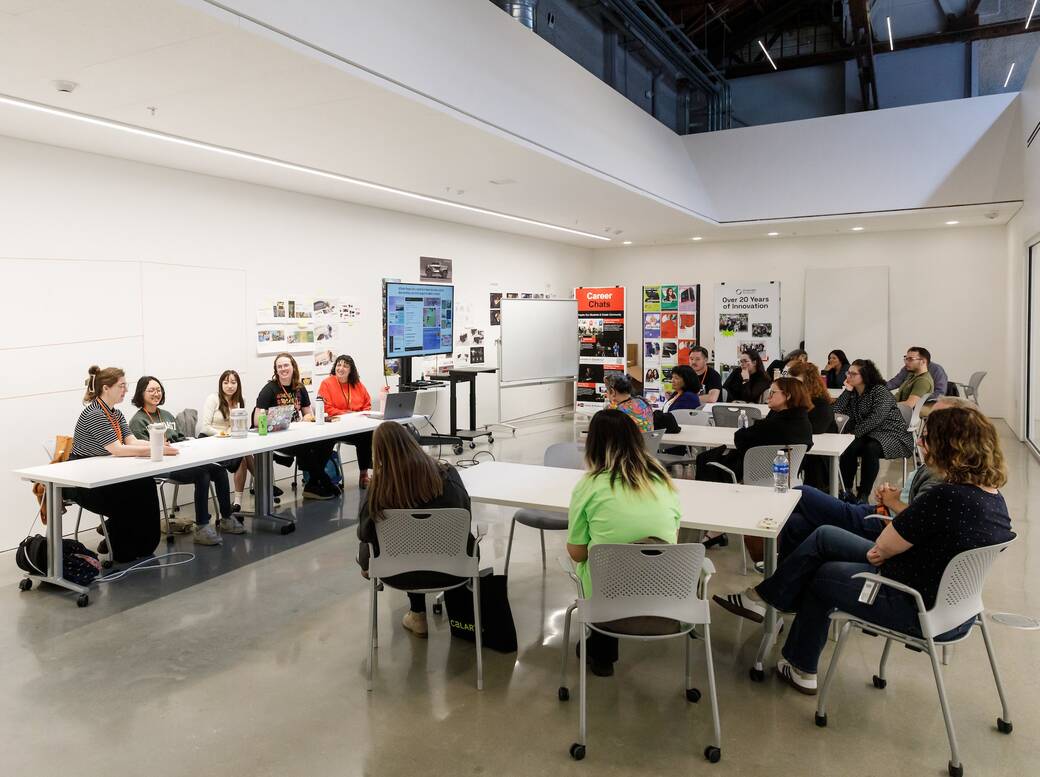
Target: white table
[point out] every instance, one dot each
(718, 507)
(829, 445)
(835, 392)
(105, 470)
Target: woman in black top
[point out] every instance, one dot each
(837, 368)
(285, 388)
(747, 382)
(405, 477)
(963, 513)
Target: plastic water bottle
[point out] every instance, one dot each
(319, 411)
(742, 420)
(261, 422)
(781, 472)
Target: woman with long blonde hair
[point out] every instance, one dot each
(405, 477)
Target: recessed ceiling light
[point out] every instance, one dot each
(772, 234)
(952, 223)
(696, 238)
(857, 229)
(626, 242)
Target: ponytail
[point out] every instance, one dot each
(99, 379)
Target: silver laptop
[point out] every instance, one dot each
(398, 405)
(279, 417)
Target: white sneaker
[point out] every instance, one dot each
(206, 535)
(803, 682)
(746, 604)
(231, 525)
(415, 622)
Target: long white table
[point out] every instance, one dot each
(829, 445)
(708, 506)
(106, 470)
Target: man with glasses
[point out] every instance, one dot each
(938, 374)
(918, 385)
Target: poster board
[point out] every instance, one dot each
(671, 327)
(747, 315)
(313, 329)
(601, 342)
(828, 324)
(535, 342)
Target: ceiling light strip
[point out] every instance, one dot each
(1031, 12)
(278, 163)
(771, 62)
(1010, 71)
(891, 42)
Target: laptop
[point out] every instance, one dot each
(279, 417)
(398, 405)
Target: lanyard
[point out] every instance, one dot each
(346, 396)
(156, 420)
(111, 420)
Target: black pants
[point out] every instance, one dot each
(601, 648)
(869, 450)
(731, 459)
(363, 446)
(201, 477)
(312, 458)
(417, 603)
(131, 512)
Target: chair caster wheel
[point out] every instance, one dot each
(713, 754)
(956, 771)
(756, 675)
(106, 564)
(82, 600)
(880, 682)
(289, 528)
(693, 695)
(438, 609)
(821, 720)
(472, 445)
(457, 450)
(490, 439)
(577, 751)
(1003, 726)
(25, 584)
(564, 693)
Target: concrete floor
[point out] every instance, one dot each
(251, 661)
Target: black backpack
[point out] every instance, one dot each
(80, 564)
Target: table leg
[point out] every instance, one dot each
(473, 402)
(834, 476)
(55, 567)
(263, 485)
(452, 383)
(770, 622)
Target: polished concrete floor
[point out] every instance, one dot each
(251, 661)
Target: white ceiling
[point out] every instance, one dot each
(228, 86)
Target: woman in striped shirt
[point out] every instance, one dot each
(130, 508)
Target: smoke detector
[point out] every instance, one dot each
(65, 86)
(991, 215)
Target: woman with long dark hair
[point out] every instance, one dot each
(405, 477)
(748, 381)
(215, 421)
(625, 496)
(837, 368)
(343, 393)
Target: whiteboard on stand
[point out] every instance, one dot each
(538, 341)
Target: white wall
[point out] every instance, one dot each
(946, 292)
(115, 218)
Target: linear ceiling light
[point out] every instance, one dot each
(1010, 71)
(891, 43)
(1031, 12)
(272, 162)
(771, 62)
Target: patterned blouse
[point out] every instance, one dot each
(639, 411)
(874, 414)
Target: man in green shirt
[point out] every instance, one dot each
(918, 385)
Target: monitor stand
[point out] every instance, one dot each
(407, 383)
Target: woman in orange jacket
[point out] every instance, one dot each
(343, 393)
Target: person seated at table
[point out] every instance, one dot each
(787, 423)
(406, 477)
(748, 381)
(919, 385)
(624, 496)
(837, 368)
(939, 377)
(965, 512)
(711, 381)
(874, 419)
(685, 388)
(149, 397)
(619, 397)
(344, 392)
(797, 356)
(215, 421)
(284, 389)
(130, 509)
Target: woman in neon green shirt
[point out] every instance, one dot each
(626, 496)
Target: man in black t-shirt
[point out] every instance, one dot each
(711, 381)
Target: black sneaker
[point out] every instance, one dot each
(318, 491)
(277, 491)
(602, 668)
(102, 548)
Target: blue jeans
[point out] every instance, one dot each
(201, 477)
(816, 509)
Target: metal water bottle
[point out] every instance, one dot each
(319, 410)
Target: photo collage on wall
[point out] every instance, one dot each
(313, 330)
(601, 342)
(748, 316)
(671, 327)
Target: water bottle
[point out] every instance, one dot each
(319, 411)
(261, 422)
(742, 420)
(781, 472)
(156, 440)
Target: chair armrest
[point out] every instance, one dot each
(707, 570)
(567, 565)
(883, 518)
(724, 468)
(879, 580)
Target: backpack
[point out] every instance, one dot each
(79, 563)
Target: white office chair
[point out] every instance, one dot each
(565, 455)
(666, 583)
(970, 390)
(653, 439)
(692, 418)
(959, 600)
(434, 540)
(729, 415)
(842, 420)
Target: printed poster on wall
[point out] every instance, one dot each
(601, 341)
(747, 317)
(671, 327)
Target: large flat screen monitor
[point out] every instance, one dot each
(419, 318)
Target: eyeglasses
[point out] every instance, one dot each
(153, 391)
(773, 391)
(911, 358)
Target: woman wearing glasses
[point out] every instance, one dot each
(749, 381)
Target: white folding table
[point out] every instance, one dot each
(717, 507)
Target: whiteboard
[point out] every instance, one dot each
(833, 320)
(539, 340)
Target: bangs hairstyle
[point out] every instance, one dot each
(797, 393)
(403, 475)
(811, 379)
(296, 383)
(98, 379)
(222, 400)
(690, 381)
(352, 379)
(142, 384)
(616, 445)
(963, 444)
